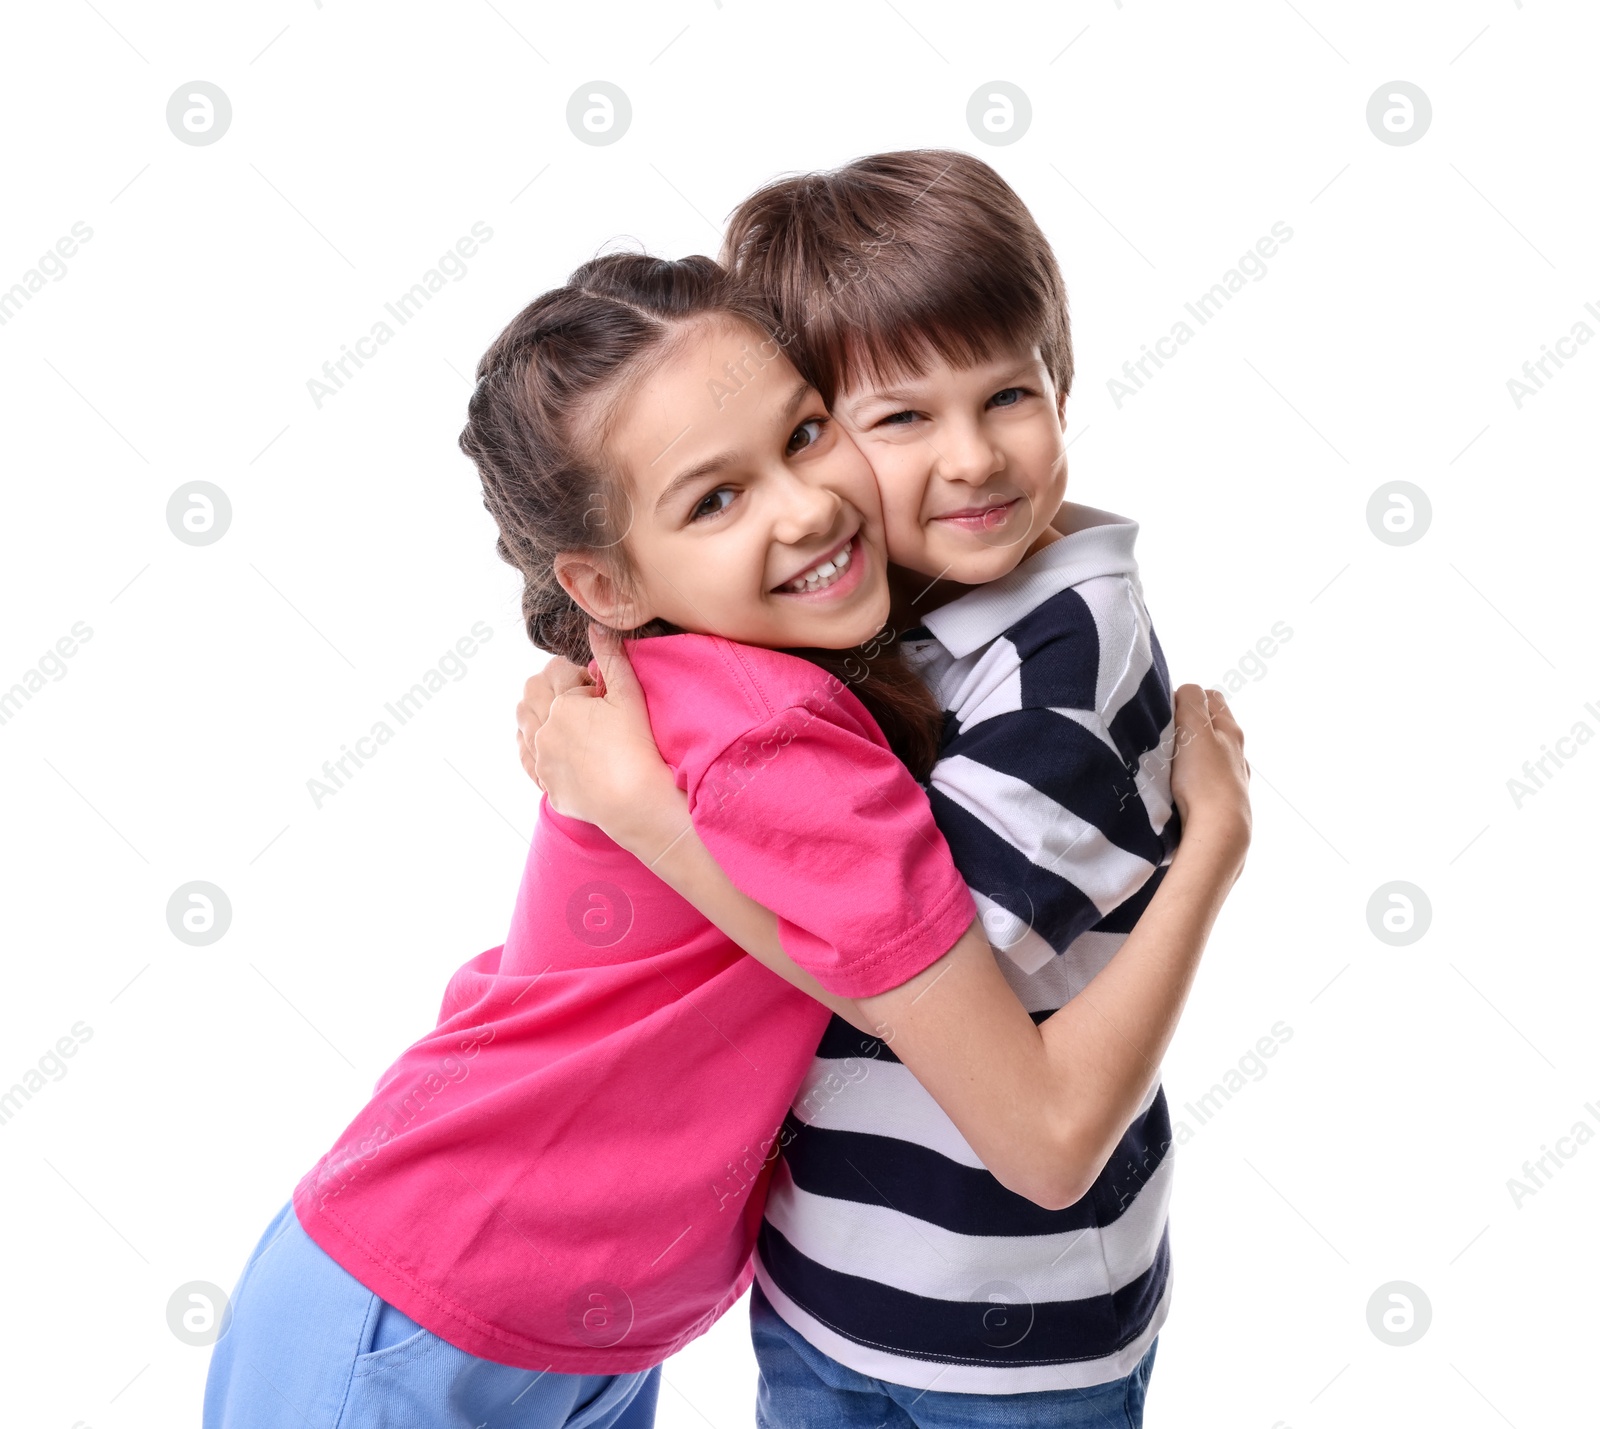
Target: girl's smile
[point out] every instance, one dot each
(836, 575)
(755, 517)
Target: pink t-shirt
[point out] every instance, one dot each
(569, 1171)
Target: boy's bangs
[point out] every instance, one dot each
(875, 333)
(881, 268)
(883, 356)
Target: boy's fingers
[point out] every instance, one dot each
(556, 679)
(563, 675)
(534, 705)
(616, 670)
(526, 758)
(588, 690)
(540, 690)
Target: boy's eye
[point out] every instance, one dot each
(808, 433)
(712, 503)
(1007, 397)
(898, 419)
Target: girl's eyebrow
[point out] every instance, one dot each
(695, 473)
(712, 464)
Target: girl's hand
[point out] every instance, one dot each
(1210, 775)
(595, 756)
(557, 677)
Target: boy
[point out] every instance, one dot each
(897, 1281)
(918, 294)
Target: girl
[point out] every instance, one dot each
(560, 1185)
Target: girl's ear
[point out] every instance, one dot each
(592, 584)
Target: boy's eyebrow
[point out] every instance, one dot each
(1021, 366)
(702, 469)
(887, 394)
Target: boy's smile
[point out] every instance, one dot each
(987, 518)
(970, 463)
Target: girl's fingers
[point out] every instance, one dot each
(1222, 717)
(1189, 710)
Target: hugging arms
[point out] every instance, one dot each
(1042, 1106)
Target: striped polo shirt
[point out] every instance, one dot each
(886, 1243)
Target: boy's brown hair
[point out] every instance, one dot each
(873, 269)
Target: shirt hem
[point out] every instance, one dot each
(882, 1363)
(453, 1323)
(950, 918)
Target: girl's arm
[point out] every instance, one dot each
(1042, 1106)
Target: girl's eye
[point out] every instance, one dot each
(1007, 397)
(898, 419)
(712, 503)
(807, 434)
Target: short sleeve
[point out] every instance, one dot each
(1048, 822)
(1058, 808)
(814, 818)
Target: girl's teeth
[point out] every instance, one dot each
(821, 575)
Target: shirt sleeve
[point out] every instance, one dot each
(814, 818)
(1052, 826)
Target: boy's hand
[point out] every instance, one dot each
(595, 757)
(1210, 775)
(533, 709)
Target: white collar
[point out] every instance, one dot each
(1097, 544)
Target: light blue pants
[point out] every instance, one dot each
(310, 1347)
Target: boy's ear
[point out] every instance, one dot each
(592, 584)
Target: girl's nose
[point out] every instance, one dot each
(807, 511)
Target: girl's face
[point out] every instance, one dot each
(752, 516)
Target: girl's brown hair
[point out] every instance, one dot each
(872, 269)
(535, 431)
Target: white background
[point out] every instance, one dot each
(1165, 140)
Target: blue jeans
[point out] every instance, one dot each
(802, 1388)
(310, 1347)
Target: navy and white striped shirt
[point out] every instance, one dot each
(886, 1242)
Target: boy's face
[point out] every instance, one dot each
(970, 462)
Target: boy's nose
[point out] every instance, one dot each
(966, 455)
